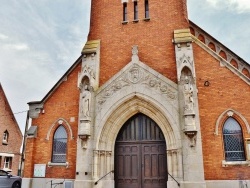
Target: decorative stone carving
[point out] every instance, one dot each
(134, 74)
(84, 128)
(137, 75)
(188, 101)
(87, 71)
(230, 113)
(186, 83)
(188, 96)
(86, 103)
(135, 51)
(184, 60)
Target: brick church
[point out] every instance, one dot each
(153, 101)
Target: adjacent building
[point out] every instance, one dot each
(153, 101)
(10, 137)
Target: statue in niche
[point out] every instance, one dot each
(188, 94)
(86, 101)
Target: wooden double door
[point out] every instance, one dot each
(140, 155)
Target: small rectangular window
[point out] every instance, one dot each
(135, 10)
(146, 9)
(5, 137)
(125, 13)
(7, 163)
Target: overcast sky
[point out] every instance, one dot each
(41, 39)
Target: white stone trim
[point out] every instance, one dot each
(230, 112)
(129, 106)
(56, 123)
(66, 164)
(7, 154)
(7, 169)
(135, 89)
(235, 163)
(121, 111)
(221, 60)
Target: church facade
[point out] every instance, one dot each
(152, 102)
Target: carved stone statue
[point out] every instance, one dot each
(188, 95)
(86, 101)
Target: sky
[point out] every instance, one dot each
(41, 39)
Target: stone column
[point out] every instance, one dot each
(193, 169)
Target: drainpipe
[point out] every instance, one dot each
(20, 171)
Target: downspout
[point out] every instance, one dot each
(20, 171)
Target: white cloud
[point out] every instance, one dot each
(38, 45)
(18, 46)
(3, 37)
(238, 6)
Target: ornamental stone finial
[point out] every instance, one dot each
(135, 57)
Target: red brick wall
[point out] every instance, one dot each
(8, 122)
(226, 90)
(154, 38)
(64, 103)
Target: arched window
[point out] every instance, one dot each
(233, 141)
(59, 145)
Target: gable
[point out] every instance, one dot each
(225, 56)
(139, 76)
(8, 123)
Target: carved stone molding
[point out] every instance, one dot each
(102, 152)
(86, 71)
(57, 123)
(230, 113)
(185, 61)
(137, 75)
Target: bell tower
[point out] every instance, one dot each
(149, 24)
(162, 72)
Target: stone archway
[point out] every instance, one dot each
(118, 115)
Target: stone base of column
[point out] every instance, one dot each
(185, 184)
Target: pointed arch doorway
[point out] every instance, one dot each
(140, 155)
